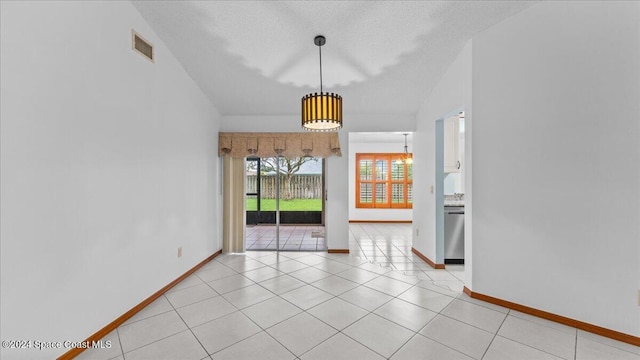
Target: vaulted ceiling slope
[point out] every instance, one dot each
(258, 57)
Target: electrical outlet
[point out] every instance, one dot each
(180, 252)
(431, 189)
(417, 232)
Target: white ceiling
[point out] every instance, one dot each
(258, 57)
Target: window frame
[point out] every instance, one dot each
(390, 158)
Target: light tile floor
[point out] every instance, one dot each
(389, 245)
(299, 305)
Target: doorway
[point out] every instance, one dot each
(453, 213)
(285, 204)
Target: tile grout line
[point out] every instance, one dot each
(120, 343)
(440, 313)
(158, 340)
(127, 323)
(527, 345)
(405, 343)
(264, 330)
(438, 342)
(398, 297)
(494, 337)
(430, 320)
(575, 349)
(190, 329)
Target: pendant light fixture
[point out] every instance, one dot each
(406, 158)
(321, 112)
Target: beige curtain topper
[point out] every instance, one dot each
(290, 145)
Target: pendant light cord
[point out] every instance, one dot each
(320, 50)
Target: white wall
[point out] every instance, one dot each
(108, 164)
(373, 214)
(453, 183)
(337, 204)
(451, 95)
(556, 94)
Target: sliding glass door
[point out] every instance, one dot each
(285, 204)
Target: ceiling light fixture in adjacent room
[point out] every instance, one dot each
(321, 112)
(406, 157)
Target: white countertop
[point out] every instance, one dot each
(454, 203)
(454, 200)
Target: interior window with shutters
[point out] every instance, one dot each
(383, 181)
(365, 180)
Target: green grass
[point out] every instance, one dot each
(286, 205)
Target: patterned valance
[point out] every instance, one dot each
(290, 145)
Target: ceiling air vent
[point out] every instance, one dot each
(142, 46)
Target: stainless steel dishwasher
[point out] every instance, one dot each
(454, 234)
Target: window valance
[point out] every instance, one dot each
(243, 144)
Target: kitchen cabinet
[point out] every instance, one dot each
(451, 147)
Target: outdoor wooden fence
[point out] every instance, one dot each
(302, 186)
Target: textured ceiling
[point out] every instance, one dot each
(258, 57)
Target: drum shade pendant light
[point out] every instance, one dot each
(323, 111)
